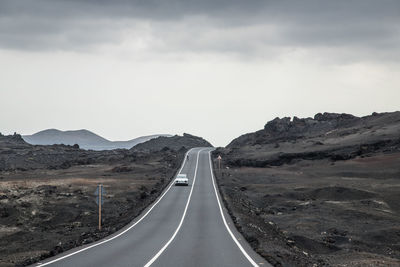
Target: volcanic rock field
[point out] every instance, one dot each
(322, 191)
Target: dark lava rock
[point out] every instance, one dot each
(278, 125)
(143, 195)
(4, 212)
(285, 129)
(176, 143)
(333, 116)
(16, 138)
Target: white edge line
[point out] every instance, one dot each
(223, 218)
(130, 227)
(182, 219)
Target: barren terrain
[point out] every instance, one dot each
(320, 196)
(47, 202)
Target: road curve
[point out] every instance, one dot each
(186, 226)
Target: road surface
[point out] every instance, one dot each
(186, 226)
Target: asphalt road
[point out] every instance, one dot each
(186, 226)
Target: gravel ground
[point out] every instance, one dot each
(346, 214)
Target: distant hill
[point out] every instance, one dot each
(173, 142)
(84, 138)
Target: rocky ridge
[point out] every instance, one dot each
(327, 135)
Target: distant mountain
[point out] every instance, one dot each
(175, 142)
(84, 138)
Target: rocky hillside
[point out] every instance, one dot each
(176, 143)
(16, 154)
(84, 138)
(327, 135)
(322, 191)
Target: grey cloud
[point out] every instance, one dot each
(369, 28)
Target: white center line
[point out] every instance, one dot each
(127, 229)
(182, 219)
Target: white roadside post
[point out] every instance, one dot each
(219, 162)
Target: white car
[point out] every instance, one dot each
(181, 179)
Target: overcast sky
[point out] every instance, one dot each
(217, 69)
